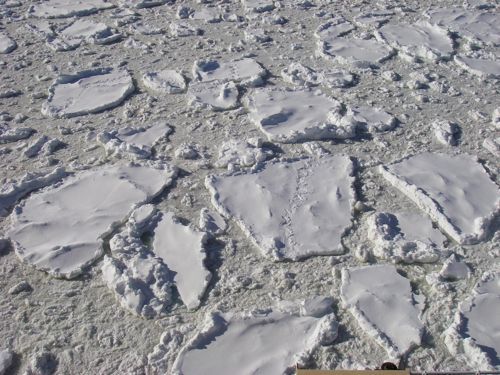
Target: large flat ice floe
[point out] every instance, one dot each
(60, 229)
(480, 67)
(382, 302)
(261, 342)
(420, 40)
(475, 331)
(291, 210)
(455, 191)
(182, 249)
(87, 92)
(67, 8)
(246, 72)
(300, 115)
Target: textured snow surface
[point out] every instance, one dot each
(247, 72)
(455, 191)
(216, 95)
(382, 302)
(87, 92)
(260, 342)
(59, 230)
(67, 8)
(475, 331)
(266, 206)
(237, 153)
(480, 67)
(166, 81)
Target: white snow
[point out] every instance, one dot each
(420, 40)
(60, 229)
(215, 95)
(302, 75)
(446, 132)
(453, 269)
(67, 8)
(81, 31)
(455, 191)
(165, 82)
(475, 331)
(211, 222)
(236, 153)
(87, 92)
(260, 342)
(480, 67)
(7, 44)
(246, 72)
(382, 302)
(181, 248)
(373, 120)
(270, 212)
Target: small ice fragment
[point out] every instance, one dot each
(216, 95)
(23, 286)
(495, 118)
(453, 269)
(184, 29)
(211, 222)
(165, 82)
(492, 145)
(446, 132)
(480, 67)
(258, 6)
(245, 72)
(8, 135)
(374, 120)
(6, 360)
(35, 146)
(187, 151)
(257, 35)
(7, 44)
(140, 4)
(67, 8)
(239, 153)
(333, 29)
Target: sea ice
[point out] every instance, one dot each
(480, 67)
(8, 135)
(60, 229)
(332, 29)
(446, 132)
(211, 222)
(382, 302)
(216, 95)
(236, 153)
(290, 210)
(455, 191)
(182, 249)
(373, 120)
(246, 72)
(140, 4)
(300, 115)
(492, 145)
(87, 92)
(184, 29)
(261, 342)
(80, 31)
(7, 44)
(475, 331)
(67, 8)
(165, 82)
(258, 6)
(404, 237)
(453, 269)
(495, 118)
(34, 147)
(420, 40)
(137, 142)
(302, 75)
(6, 360)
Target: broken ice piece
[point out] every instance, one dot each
(239, 153)
(60, 229)
(184, 29)
(300, 115)
(211, 222)
(140, 4)
(67, 8)
(374, 120)
(446, 132)
(85, 92)
(257, 35)
(455, 191)
(89, 31)
(182, 249)
(492, 145)
(302, 75)
(332, 29)
(216, 95)
(384, 306)
(266, 342)
(480, 67)
(258, 6)
(7, 44)
(282, 226)
(246, 72)
(495, 118)
(8, 135)
(165, 82)
(453, 269)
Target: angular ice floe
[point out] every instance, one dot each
(446, 132)
(404, 237)
(357, 53)
(290, 210)
(495, 118)
(140, 4)
(81, 31)
(216, 95)
(332, 29)
(373, 120)
(492, 145)
(141, 282)
(453, 269)
(67, 8)
(482, 26)
(7, 44)
(420, 40)
(14, 191)
(182, 249)
(261, 342)
(258, 6)
(373, 18)
(480, 67)
(137, 142)
(209, 15)
(60, 229)
(239, 153)
(300, 115)
(184, 29)
(85, 92)
(246, 72)
(382, 302)
(475, 331)
(165, 82)
(8, 135)
(211, 222)
(302, 75)
(455, 191)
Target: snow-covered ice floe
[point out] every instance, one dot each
(384, 306)
(141, 4)
(272, 215)
(165, 82)
(480, 67)
(215, 95)
(60, 229)
(420, 40)
(455, 191)
(85, 92)
(302, 75)
(246, 72)
(475, 331)
(8, 134)
(404, 237)
(236, 153)
(270, 341)
(67, 8)
(7, 44)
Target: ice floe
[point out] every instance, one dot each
(136, 142)
(211, 222)
(8, 134)
(6, 360)
(67, 8)
(215, 95)
(182, 249)
(480, 67)
(334, 28)
(404, 237)
(246, 72)
(259, 342)
(140, 4)
(165, 82)
(236, 153)
(302, 75)
(455, 191)
(7, 44)
(475, 331)
(373, 120)
(383, 304)
(419, 40)
(446, 132)
(85, 92)
(492, 145)
(184, 29)
(258, 6)
(60, 229)
(272, 215)
(453, 269)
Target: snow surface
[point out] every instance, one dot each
(480, 67)
(166, 81)
(216, 95)
(247, 72)
(238, 153)
(282, 226)
(67, 8)
(7, 44)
